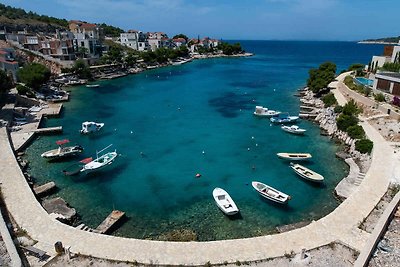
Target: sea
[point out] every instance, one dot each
(172, 123)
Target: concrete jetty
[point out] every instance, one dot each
(59, 209)
(44, 189)
(49, 130)
(109, 222)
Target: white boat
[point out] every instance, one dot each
(270, 193)
(294, 156)
(284, 119)
(62, 151)
(265, 112)
(294, 129)
(224, 201)
(306, 173)
(100, 162)
(92, 85)
(90, 127)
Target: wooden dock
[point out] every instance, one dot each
(49, 130)
(43, 189)
(110, 221)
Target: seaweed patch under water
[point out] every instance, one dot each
(230, 104)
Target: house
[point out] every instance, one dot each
(177, 42)
(157, 40)
(88, 37)
(8, 63)
(134, 39)
(390, 55)
(388, 82)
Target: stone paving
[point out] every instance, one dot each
(340, 225)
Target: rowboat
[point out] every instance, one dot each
(62, 151)
(306, 173)
(265, 112)
(100, 162)
(270, 193)
(294, 129)
(294, 156)
(224, 201)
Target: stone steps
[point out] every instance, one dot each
(359, 178)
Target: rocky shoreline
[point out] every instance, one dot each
(313, 108)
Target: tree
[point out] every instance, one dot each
(379, 97)
(351, 108)
(345, 121)
(81, 69)
(34, 75)
(321, 77)
(329, 100)
(356, 132)
(83, 51)
(181, 35)
(5, 81)
(364, 146)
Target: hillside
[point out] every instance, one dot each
(384, 40)
(17, 19)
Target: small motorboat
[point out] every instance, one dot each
(92, 85)
(294, 156)
(224, 201)
(265, 112)
(306, 173)
(90, 127)
(100, 162)
(270, 193)
(284, 119)
(62, 151)
(294, 129)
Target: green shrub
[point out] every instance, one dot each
(367, 91)
(351, 108)
(338, 109)
(364, 146)
(34, 75)
(22, 90)
(344, 121)
(379, 97)
(329, 100)
(356, 132)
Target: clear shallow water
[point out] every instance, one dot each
(172, 115)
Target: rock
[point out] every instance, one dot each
(25, 241)
(59, 207)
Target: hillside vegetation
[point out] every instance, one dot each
(386, 40)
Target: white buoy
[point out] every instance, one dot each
(203, 152)
(252, 137)
(256, 144)
(248, 149)
(131, 132)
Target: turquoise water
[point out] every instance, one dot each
(161, 121)
(364, 81)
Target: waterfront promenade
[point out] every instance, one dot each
(340, 225)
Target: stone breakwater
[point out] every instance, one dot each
(326, 118)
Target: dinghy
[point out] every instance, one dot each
(306, 173)
(294, 129)
(284, 119)
(62, 151)
(294, 156)
(270, 193)
(100, 162)
(224, 201)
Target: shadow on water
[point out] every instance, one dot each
(109, 89)
(276, 205)
(230, 104)
(237, 216)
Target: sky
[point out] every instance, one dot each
(345, 20)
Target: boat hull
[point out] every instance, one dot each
(65, 152)
(95, 165)
(294, 156)
(224, 202)
(270, 193)
(307, 174)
